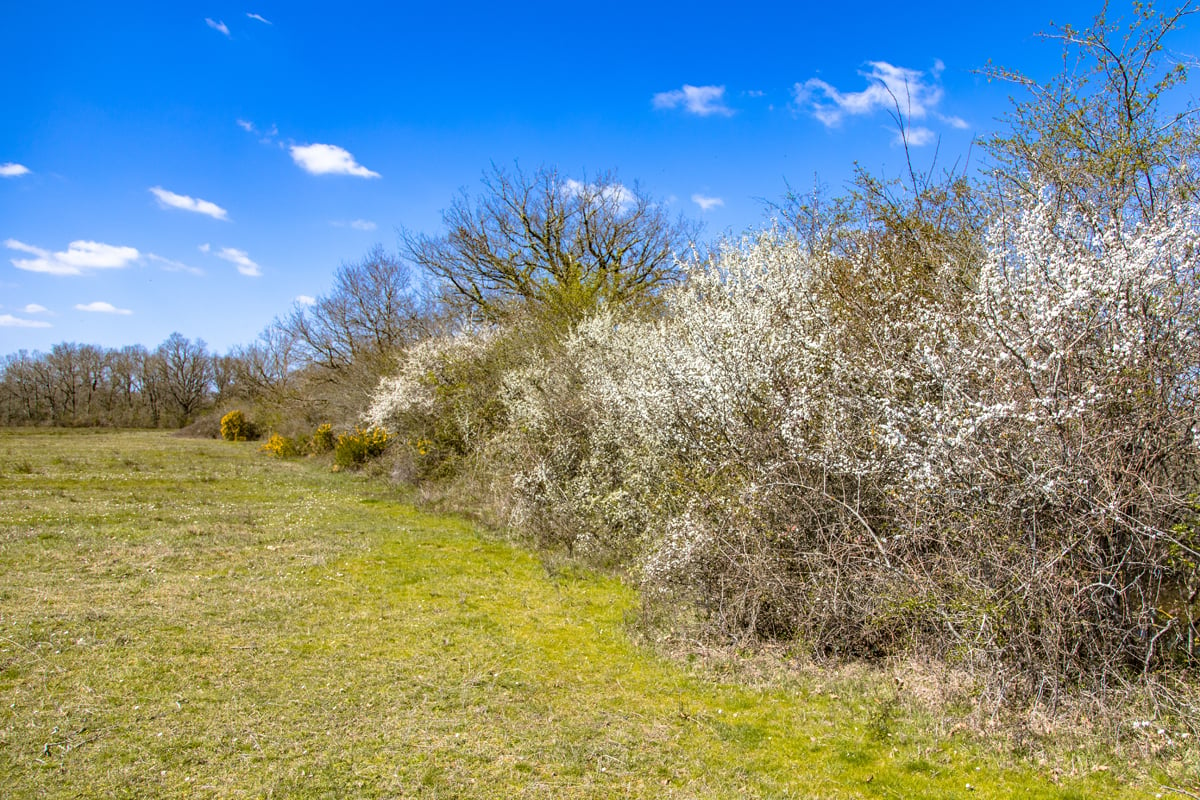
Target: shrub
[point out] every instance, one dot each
(875, 459)
(355, 448)
(283, 446)
(235, 427)
(323, 439)
(445, 398)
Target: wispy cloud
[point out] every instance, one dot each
(239, 257)
(204, 248)
(101, 307)
(168, 199)
(707, 203)
(329, 159)
(264, 137)
(79, 257)
(35, 308)
(356, 224)
(217, 26)
(9, 321)
(10, 169)
(703, 101)
(613, 193)
(260, 18)
(911, 93)
(305, 300)
(173, 266)
(915, 137)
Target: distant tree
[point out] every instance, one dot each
(265, 368)
(93, 379)
(25, 394)
(185, 374)
(562, 247)
(224, 370)
(151, 379)
(371, 313)
(63, 366)
(124, 388)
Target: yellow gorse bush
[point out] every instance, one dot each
(323, 439)
(356, 447)
(280, 446)
(235, 427)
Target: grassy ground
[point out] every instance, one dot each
(191, 618)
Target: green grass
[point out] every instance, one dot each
(183, 618)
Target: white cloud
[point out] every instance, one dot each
(954, 122)
(700, 100)
(217, 26)
(916, 137)
(614, 193)
(9, 321)
(707, 203)
(329, 159)
(891, 89)
(305, 300)
(260, 18)
(171, 200)
(34, 308)
(10, 169)
(78, 258)
(101, 307)
(243, 262)
(173, 266)
(264, 137)
(204, 248)
(356, 224)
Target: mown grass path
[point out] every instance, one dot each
(184, 618)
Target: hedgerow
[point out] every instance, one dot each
(943, 419)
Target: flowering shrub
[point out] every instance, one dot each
(235, 427)
(444, 398)
(355, 448)
(985, 453)
(323, 439)
(995, 461)
(282, 446)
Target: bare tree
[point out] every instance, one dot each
(266, 367)
(560, 246)
(371, 314)
(186, 373)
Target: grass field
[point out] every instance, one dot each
(184, 618)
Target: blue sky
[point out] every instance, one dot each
(202, 167)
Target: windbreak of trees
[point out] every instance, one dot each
(318, 364)
(82, 384)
